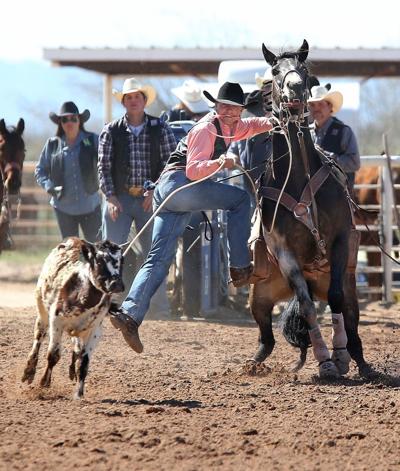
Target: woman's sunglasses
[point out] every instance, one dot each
(66, 119)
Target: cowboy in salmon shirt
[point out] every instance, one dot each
(198, 155)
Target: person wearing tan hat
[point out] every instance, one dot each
(132, 152)
(199, 155)
(67, 170)
(192, 106)
(335, 138)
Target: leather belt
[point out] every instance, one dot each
(135, 190)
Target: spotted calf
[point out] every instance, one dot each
(73, 294)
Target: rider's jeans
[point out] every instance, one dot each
(172, 220)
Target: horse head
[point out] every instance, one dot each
(12, 155)
(290, 81)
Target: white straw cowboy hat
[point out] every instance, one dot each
(260, 79)
(319, 93)
(191, 96)
(132, 85)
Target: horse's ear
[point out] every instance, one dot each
(312, 81)
(302, 53)
(268, 55)
(3, 129)
(328, 86)
(20, 126)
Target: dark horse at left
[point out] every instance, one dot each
(307, 225)
(12, 155)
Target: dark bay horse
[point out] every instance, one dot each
(12, 155)
(307, 225)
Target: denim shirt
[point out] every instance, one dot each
(75, 200)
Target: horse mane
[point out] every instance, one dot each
(291, 55)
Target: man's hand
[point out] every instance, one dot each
(229, 162)
(114, 207)
(148, 201)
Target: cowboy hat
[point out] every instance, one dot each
(68, 108)
(190, 95)
(260, 79)
(229, 94)
(319, 93)
(254, 105)
(132, 85)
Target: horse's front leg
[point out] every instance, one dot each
(290, 269)
(261, 308)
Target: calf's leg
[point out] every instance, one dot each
(83, 358)
(53, 352)
(41, 326)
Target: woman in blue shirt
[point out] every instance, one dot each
(67, 170)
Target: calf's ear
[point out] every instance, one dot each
(88, 251)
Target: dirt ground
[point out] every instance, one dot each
(189, 402)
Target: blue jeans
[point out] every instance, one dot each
(89, 223)
(172, 220)
(118, 232)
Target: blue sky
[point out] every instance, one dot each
(30, 87)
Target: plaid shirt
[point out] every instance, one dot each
(139, 152)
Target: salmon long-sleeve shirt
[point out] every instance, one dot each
(201, 139)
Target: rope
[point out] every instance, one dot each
(164, 203)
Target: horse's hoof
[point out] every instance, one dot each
(366, 371)
(341, 357)
(261, 354)
(327, 369)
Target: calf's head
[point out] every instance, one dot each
(105, 261)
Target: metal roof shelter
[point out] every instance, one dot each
(336, 62)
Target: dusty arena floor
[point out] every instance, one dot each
(188, 402)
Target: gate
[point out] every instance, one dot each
(386, 225)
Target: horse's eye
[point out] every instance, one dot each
(275, 71)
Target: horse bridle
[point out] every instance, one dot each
(285, 106)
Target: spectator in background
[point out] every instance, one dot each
(67, 170)
(192, 106)
(187, 290)
(335, 138)
(132, 151)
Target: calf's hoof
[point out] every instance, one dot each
(72, 373)
(28, 375)
(341, 357)
(328, 370)
(77, 396)
(45, 382)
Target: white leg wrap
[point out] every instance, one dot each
(320, 350)
(339, 336)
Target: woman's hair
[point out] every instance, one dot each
(60, 131)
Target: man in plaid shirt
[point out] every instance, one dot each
(132, 150)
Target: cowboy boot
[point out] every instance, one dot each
(121, 320)
(242, 276)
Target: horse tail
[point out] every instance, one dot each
(295, 330)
